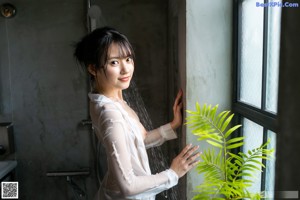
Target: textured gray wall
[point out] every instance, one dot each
(44, 94)
(208, 64)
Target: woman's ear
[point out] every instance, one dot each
(92, 69)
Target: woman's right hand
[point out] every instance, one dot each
(185, 161)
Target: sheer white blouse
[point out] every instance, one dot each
(125, 141)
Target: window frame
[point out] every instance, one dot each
(268, 120)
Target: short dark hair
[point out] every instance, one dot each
(93, 48)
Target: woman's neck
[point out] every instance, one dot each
(118, 96)
(115, 95)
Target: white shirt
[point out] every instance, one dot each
(129, 175)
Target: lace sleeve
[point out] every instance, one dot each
(158, 136)
(115, 142)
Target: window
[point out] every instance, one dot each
(256, 70)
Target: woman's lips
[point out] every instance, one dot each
(124, 79)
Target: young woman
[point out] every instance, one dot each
(109, 58)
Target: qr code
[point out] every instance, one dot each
(9, 190)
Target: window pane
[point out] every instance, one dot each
(251, 47)
(253, 134)
(270, 168)
(273, 58)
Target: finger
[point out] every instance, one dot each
(180, 93)
(181, 104)
(193, 158)
(192, 165)
(178, 108)
(178, 97)
(190, 152)
(185, 150)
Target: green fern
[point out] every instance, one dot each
(226, 175)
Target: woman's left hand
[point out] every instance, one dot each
(177, 111)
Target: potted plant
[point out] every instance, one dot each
(227, 174)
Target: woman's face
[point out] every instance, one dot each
(117, 73)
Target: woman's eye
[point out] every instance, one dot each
(128, 59)
(114, 62)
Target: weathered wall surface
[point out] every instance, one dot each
(44, 93)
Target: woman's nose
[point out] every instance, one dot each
(125, 67)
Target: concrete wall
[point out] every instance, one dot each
(205, 52)
(45, 94)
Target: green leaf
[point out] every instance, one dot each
(243, 155)
(215, 144)
(192, 112)
(219, 117)
(261, 157)
(222, 119)
(254, 167)
(248, 169)
(207, 111)
(249, 152)
(213, 112)
(236, 145)
(198, 107)
(203, 111)
(258, 162)
(228, 120)
(238, 162)
(231, 130)
(246, 175)
(233, 140)
(236, 157)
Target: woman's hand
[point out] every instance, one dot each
(177, 111)
(185, 161)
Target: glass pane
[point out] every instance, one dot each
(253, 134)
(270, 167)
(274, 16)
(251, 48)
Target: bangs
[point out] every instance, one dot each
(125, 49)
